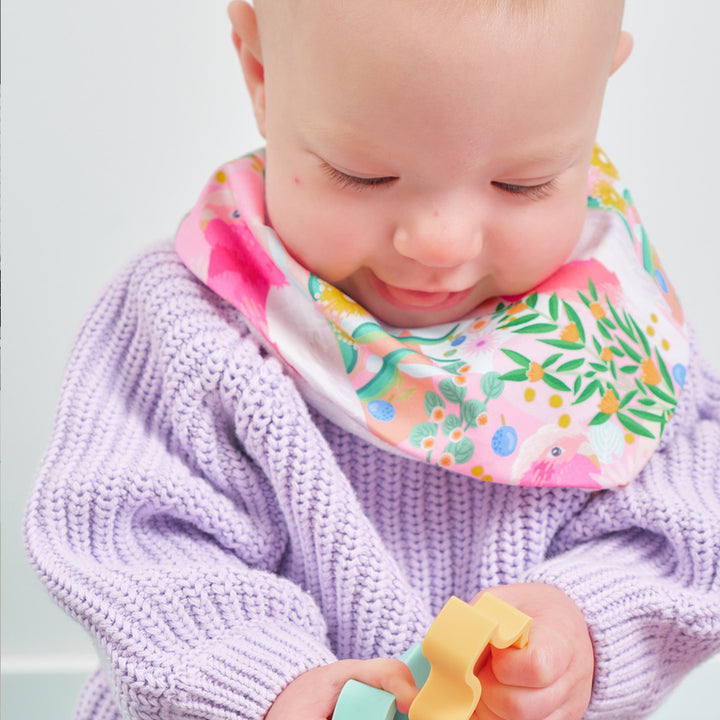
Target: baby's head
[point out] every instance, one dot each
(425, 155)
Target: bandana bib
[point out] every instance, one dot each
(570, 385)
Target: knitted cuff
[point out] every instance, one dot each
(635, 662)
(228, 678)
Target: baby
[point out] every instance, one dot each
(270, 473)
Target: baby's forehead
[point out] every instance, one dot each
(522, 12)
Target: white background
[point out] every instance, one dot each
(114, 114)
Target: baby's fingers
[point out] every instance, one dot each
(386, 674)
(538, 665)
(543, 680)
(506, 702)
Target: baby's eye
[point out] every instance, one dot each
(357, 183)
(534, 192)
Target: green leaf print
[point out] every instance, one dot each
(553, 307)
(593, 291)
(618, 319)
(641, 335)
(591, 388)
(515, 376)
(492, 385)
(452, 392)
(630, 351)
(515, 321)
(575, 318)
(551, 359)
(517, 357)
(570, 365)
(454, 366)
(628, 397)
(650, 417)
(450, 423)
(604, 332)
(432, 400)
(632, 426)
(629, 326)
(422, 431)
(537, 328)
(600, 419)
(660, 394)
(555, 383)
(471, 410)
(462, 451)
(663, 370)
(563, 344)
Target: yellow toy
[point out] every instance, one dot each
(445, 668)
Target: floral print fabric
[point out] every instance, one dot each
(571, 384)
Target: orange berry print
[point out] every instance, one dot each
(610, 403)
(649, 372)
(535, 372)
(570, 333)
(597, 310)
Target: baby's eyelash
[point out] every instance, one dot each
(533, 192)
(350, 181)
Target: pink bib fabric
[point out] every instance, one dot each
(571, 384)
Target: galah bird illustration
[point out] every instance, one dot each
(239, 269)
(556, 457)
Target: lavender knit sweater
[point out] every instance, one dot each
(217, 537)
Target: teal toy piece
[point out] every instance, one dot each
(358, 701)
(419, 667)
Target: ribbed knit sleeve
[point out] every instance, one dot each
(183, 485)
(643, 563)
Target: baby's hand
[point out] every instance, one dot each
(551, 677)
(312, 695)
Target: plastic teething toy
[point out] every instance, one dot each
(444, 669)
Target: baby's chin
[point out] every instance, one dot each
(424, 317)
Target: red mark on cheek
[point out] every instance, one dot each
(436, 213)
(297, 181)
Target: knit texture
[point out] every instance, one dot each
(217, 537)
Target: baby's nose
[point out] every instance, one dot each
(445, 237)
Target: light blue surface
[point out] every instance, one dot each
(40, 696)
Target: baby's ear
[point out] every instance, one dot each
(246, 39)
(622, 50)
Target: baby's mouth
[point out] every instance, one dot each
(408, 299)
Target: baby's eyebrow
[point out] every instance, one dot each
(341, 137)
(555, 153)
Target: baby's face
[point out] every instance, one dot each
(425, 159)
